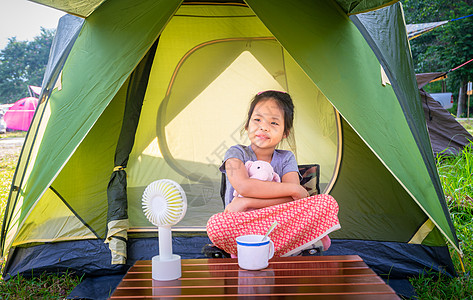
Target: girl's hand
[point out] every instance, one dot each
(238, 204)
(300, 192)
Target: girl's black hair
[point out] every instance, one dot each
(284, 102)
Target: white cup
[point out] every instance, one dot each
(254, 252)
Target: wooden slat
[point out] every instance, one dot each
(261, 281)
(280, 266)
(354, 274)
(284, 296)
(279, 273)
(378, 289)
(314, 277)
(293, 259)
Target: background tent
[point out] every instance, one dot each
(416, 30)
(34, 90)
(19, 116)
(447, 136)
(160, 89)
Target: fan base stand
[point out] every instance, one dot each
(169, 269)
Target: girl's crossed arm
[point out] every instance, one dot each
(257, 193)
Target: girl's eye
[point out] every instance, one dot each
(256, 119)
(274, 123)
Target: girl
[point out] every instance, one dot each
(302, 223)
(270, 119)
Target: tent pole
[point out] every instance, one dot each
(468, 109)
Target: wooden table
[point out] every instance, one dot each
(312, 277)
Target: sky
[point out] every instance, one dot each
(24, 19)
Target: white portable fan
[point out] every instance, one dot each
(165, 204)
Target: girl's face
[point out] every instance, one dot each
(266, 126)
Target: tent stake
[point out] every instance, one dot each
(461, 262)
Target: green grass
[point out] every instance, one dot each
(7, 168)
(456, 175)
(46, 286)
(468, 125)
(10, 134)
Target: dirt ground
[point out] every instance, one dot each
(11, 146)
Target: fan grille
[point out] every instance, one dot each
(164, 202)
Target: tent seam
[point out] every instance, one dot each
(73, 211)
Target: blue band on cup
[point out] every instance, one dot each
(252, 244)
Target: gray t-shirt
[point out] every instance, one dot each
(283, 162)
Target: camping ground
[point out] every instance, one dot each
(468, 125)
(456, 174)
(46, 286)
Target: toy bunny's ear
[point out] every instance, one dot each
(248, 164)
(276, 177)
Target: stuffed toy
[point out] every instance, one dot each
(260, 170)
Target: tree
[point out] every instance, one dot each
(447, 46)
(22, 63)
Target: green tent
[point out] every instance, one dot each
(160, 89)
